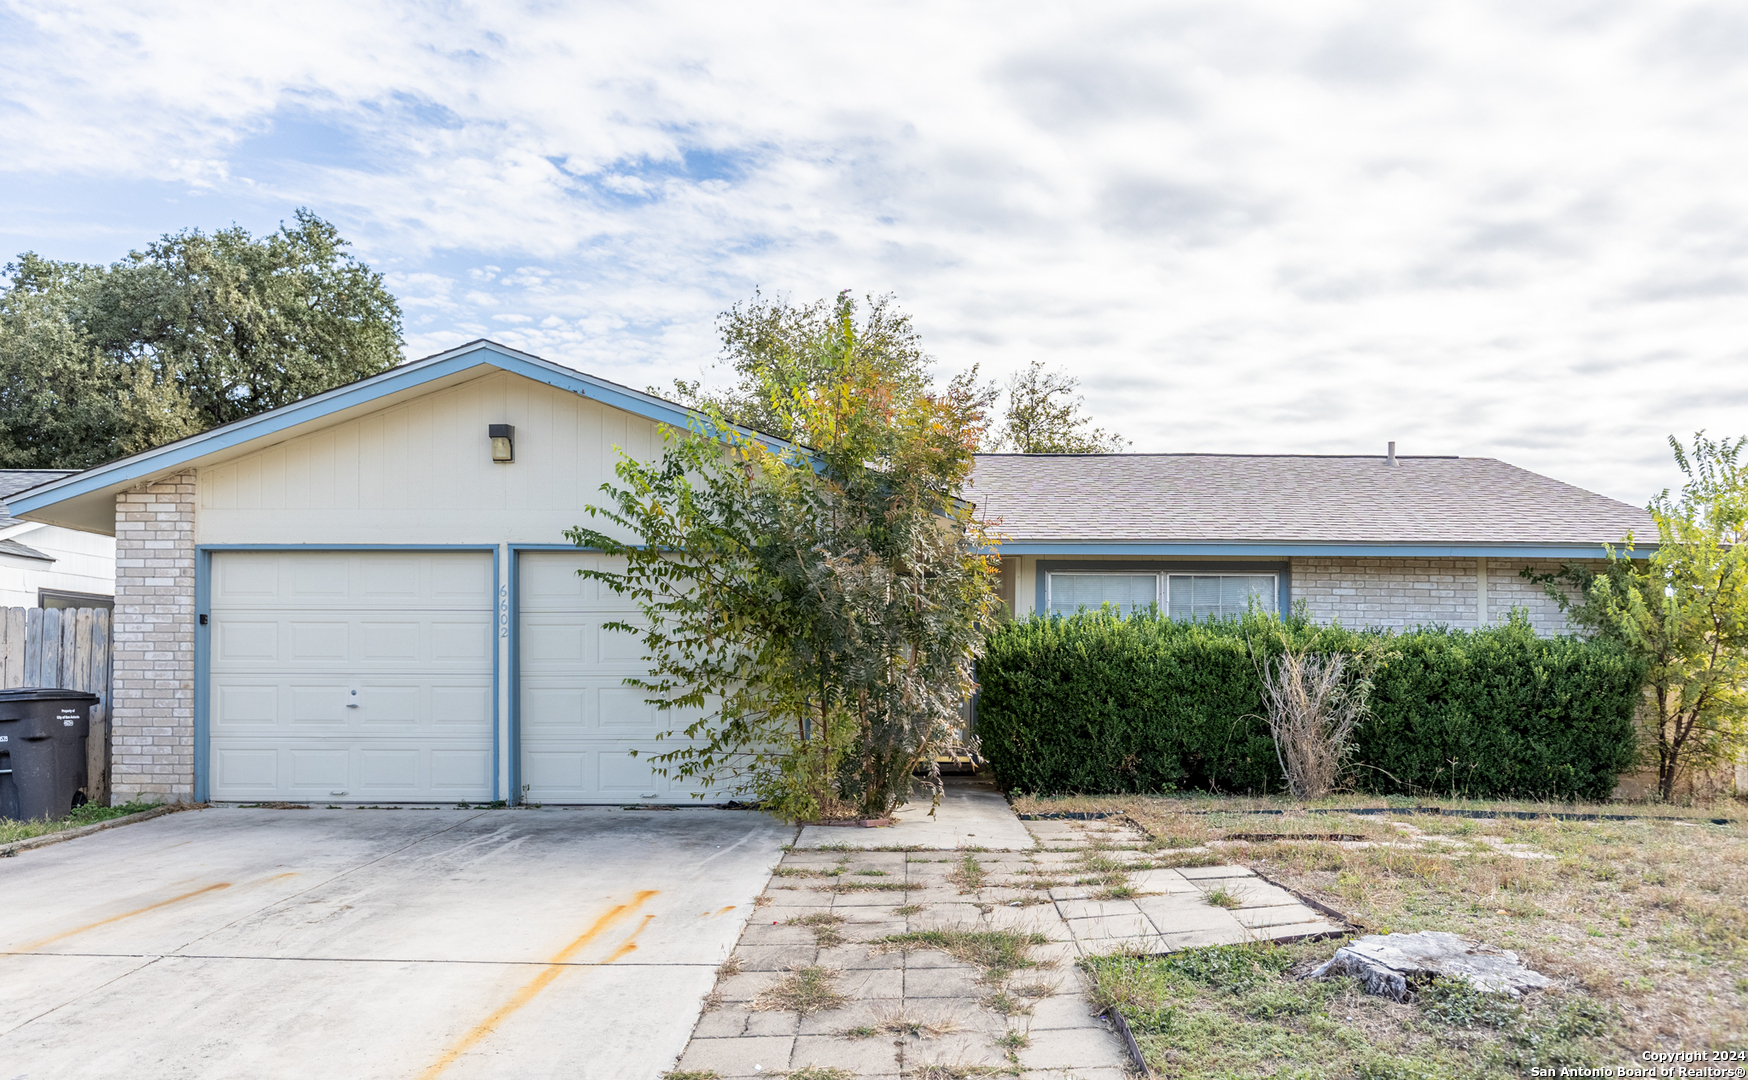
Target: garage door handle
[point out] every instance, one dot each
(351, 704)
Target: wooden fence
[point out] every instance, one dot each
(69, 649)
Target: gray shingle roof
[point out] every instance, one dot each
(13, 481)
(1163, 498)
(13, 547)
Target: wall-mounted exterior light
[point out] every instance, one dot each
(503, 443)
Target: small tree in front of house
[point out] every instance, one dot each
(1684, 609)
(818, 605)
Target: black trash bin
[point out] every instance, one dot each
(42, 743)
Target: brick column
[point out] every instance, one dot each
(152, 725)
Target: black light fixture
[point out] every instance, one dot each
(503, 443)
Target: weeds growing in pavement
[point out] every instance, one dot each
(802, 990)
(999, 953)
(1223, 897)
(824, 925)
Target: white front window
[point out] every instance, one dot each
(1180, 596)
(1216, 596)
(1125, 592)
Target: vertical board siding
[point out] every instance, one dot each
(68, 649)
(421, 472)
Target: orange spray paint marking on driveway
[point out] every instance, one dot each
(630, 944)
(555, 967)
(35, 945)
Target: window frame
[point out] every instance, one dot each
(1280, 569)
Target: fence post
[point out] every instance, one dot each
(32, 647)
(13, 673)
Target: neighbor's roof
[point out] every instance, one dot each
(1291, 498)
(13, 481)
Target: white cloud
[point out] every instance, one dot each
(1514, 230)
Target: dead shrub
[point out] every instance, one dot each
(1313, 702)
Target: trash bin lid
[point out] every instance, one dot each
(46, 693)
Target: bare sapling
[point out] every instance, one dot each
(1313, 702)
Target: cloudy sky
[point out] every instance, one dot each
(1494, 229)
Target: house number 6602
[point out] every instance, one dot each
(503, 611)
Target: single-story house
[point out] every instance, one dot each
(366, 596)
(45, 565)
(1375, 540)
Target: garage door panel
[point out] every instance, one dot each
(460, 580)
(244, 579)
(386, 642)
(390, 577)
(319, 768)
(462, 642)
(316, 579)
(554, 710)
(248, 704)
(621, 650)
(367, 673)
(553, 576)
(249, 773)
(383, 770)
(241, 642)
(381, 706)
(453, 706)
(600, 772)
(458, 772)
(316, 705)
(622, 708)
(549, 640)
(314, 642)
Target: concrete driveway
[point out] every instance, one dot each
(359, 943)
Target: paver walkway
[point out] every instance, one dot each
(1123, 900)
(941, 964)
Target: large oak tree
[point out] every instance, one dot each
(197, 330)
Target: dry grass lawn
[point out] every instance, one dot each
(1643, 923)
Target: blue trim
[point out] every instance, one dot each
(406, 377)
(515, 674)
(202, 668)
(497, 716)
(1282, 570)
(1357, 550)
(203, 641)
(347, 547)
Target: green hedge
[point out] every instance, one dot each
(1096, 704)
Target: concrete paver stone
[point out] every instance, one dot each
(1197, 873)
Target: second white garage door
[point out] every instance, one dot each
(578, 720)
(351, 676)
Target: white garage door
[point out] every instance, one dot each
(347, 676)
(578, 719)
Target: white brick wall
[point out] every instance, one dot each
(1399, 593)
(153, 721)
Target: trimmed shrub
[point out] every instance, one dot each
(1097, 704)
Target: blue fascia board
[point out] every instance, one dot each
(1278, 550)
(394, 381)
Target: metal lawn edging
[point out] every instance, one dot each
(1129, 1042)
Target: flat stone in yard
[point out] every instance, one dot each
(1386, 963)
